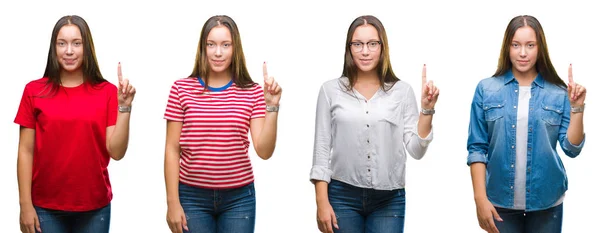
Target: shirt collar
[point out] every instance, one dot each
(509, 77)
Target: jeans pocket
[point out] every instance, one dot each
(250, 189)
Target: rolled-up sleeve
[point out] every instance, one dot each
(321, 169)
(566, 145)
(477, 143)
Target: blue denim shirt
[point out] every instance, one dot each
(492, 140)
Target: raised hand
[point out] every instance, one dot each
(271, 88)
(429, 92)
(126, 91)
(576, 91)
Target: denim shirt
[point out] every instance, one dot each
(492, 139)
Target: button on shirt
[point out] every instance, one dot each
(492, 140)
(364, 142)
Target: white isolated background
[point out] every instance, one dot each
(303, 44)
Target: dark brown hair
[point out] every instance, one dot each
(543, 65)
(384, 68)
(241, 77)
(91, 71)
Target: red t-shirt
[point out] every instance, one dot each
(214, 138)
(70, 158)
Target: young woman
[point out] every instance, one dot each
(365, 122)
(208, 175)
(517, 117)
(72, 122)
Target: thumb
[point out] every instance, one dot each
(184, 222)
(496, 215)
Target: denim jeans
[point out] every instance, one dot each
(361, 210)
(519, 221)
(58, 221)
(218, 211)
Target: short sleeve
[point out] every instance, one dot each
(25, 115)
(113, 105)
(259, 108)
(174, 110)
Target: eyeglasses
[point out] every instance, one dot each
(359, 46)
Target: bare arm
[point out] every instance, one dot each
(321, 192)
(28, 219)
(264, 134)
(25, 164)
(172, 156)
(478, 180)
(117, 136)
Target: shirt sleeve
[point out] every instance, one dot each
(25, 115)
(174, 110)
(321, 169)
(259, 108)
(477, 143)
(415, 145)
(113, 105)
(567, 147)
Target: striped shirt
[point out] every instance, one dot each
(214, 137)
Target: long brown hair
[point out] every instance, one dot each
(91, 71)
(384, 68)
(241, 77)
(543, 65)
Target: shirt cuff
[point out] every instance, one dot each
(320, 173)
(574, 149)
(424, 142)
(476, 157)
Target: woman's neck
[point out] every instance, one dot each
(525, 78)
(71, 79)
(218, 79)
(370, 77)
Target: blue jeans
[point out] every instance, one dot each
(218, 211)
(58, 221)
(360, 210)
(519, 221)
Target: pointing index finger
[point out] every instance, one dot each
(571, 73)
(265, 74)
(424, 75)
(119, 73)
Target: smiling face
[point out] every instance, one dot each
(524, 50)
(219, 49)
(366, 48)
(69, 48)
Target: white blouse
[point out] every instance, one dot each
(363, 142)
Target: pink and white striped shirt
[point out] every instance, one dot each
(214, 138)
